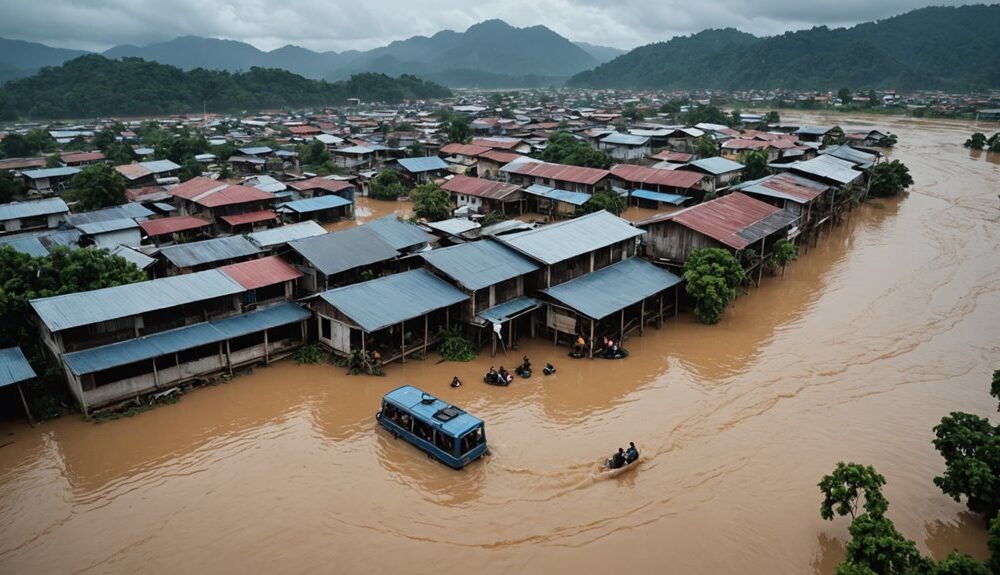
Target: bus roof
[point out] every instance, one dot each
(410, 398)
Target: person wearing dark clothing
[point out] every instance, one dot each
(455, 382)
(632, 453)
(618, 459)
(549, 369)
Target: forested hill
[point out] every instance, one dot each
(937, 47)
(92, 86)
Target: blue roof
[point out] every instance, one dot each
(48, 206)
(717, 165)
(49, 173)
(575, 198)
(31, 246)
(509, 309)
(167, 342)
(14, 367)
(477, 265)
(613, 288)
(398, 234)
(411, 399)
(393, 299)
(553, 243)
(673, 199)
(317, 204)
(425, 164)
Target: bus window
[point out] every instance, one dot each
(422, 430)
(443, 442)
(472, 439)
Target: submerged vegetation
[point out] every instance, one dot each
(455, 346)
(712, 276)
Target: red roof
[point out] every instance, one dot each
(80, 157)
(500, 157)
(496, 143)
(480, 188)
(261, 216)
(133, 171)
(332, 186)
(722, 219)
(267, 271)
(463, 149)
(212, 193)
(304, 130)
(172, 225)
(21, 163)
(559, 172)
(136, 194)
(676, 157)
(639, 175)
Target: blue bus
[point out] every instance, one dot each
(444, 431)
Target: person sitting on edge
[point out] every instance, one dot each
(492, 375)
(580, 345)
(632, 454)
(618, 459)
(525, 365)
(455, 382)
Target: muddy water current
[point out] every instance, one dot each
(889, 323)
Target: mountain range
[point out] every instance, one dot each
(936, 47)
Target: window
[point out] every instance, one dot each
(325, 328)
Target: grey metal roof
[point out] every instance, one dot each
(84, 308)
(338, 252)
(509, 309)
(813, 130)
(31, 246)
(208, 251)
(49, 173)
(558, 242)
(574, 198)
(180, 339)
(254, 150)
(107, 226)
(141, 260)
(454, 226)
(479, 264)
(316, 204)
(857, 157)
(353, 150)
(633, 139)
(398, 234)
(828, 167)
(285, 234)
(393, 299)
(14, 367)
(131, 210)
(39, 243)
(160, 166)
(613, 288)
(716, 165)
(17, 210)
(425, 164)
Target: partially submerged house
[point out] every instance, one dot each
(395, 315)
(319, 186)
(42, 214)
(461, 157)
(116, 343)
(319, 209)
(485, 196)
(625, 147)
(422, 170)
(651, 183)
(274, 240)
(808, 200)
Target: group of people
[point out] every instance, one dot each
(503, 377)
(609, 348)
(623, 457)
(498, 377)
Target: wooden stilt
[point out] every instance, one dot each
(426, 332)
(402, 342)
(591, 351)
(24, 402)
(642, 316)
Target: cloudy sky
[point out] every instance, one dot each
(343, 25)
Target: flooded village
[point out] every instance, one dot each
(216, 409)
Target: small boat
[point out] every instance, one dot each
(607, 472)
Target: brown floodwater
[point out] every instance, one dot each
(889, 323)
(367, 209)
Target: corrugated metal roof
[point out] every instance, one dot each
(160, 166)
(640, 176)
(338, 252)
(211, 193)
(500, 156)
(736, 220)
(172, 225)
(669, 156)
(613, 288)
(256, 150)
(785, 186)
(14, 367)
(319, 183)
(857, 157)
(560, 241)
(249, 218)
(84, 308)
(267, 271)
(509, 309)
(479, 264)
(208, 251)
(49, 173)
(480, 188)
(813, 130)
(316, 204)
(425, 164)
(672, 199)
(141, 260)
(107, 226)
(31, 246)
(716, 165)
(393, 299)
(131, 210)
(169, 342)
(558, 172)
(17, 210)
(285, 234)
(620, 139)
(398, 234)
(827, 167)
(464, 149)
(453, 226)
(497, 143)
(354, 150)
(574, 198)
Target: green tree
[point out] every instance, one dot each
(889, 178)
(9, 187)
(705, 114)
(970, 446)
(564, 148)
(314, 153)
(844, 95)
(16, 146)
(431, 202)
(53, 161)
(995, 386)
(387, 186)
(784, 253)
(845, 488)
(835, 137)
(960, 564)
(876, 544)
(119, 154)
(705, 147)
(603, 200)
(190, 168)
(994, 142)
(735, 118)
(976, 141)
(459, 130)
(772, 118)
(417, 150)
(755, 164)
(97, 186)
(994, 544)
(712, 276)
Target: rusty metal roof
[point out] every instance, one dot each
(642, 177)
(559, 172)
(785, 186)
(319, 183)
(267, 271)
(172, 225)
(463, 149)
(480, 188)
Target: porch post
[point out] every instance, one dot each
(402, 341)
(267, 354)
(24, 402)
(426, 332)
(676, 299)
(642, 316)
(621, 331)
(591, 339)
(229, 358)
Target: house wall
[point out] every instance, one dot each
(672, 241)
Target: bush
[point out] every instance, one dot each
(311, 353)
(455, 346)
(976, 141)
(784, 252)
(604, 200)
(712, 276)
(431, 202)
(889, 178)
(387, 186)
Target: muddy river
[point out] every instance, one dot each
(855, 354)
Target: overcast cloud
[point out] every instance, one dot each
(361, 25)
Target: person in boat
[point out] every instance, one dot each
(505, 376)
(455, 382)
(631, 454)
(524, 370)
(492, 377)
(549, 369)
(617, 460)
